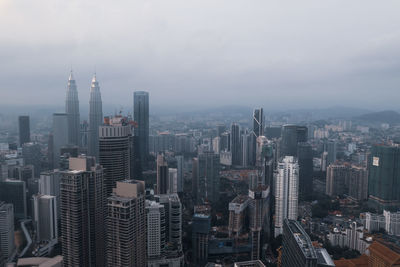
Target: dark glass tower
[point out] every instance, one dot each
(305, 159)
(258, 130)
(24, 130)
(291, 136)
(72, 111)
(141, 117)
(235, 144)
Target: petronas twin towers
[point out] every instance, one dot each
(95, 115)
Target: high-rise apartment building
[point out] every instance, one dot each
(45, 217)
(6, 229)
(286, 192)
(336, 177)
(384, 173)
(141, 117)
(172, 181)
(82, 213)
(332, 151)
(72, 111)
(156, 229)
(207, 187)
(115, 151)
(358, 183)
(95, 118)
(126, 225)
(49, 184)
(24, 130)
(201, 226)
(60, 135)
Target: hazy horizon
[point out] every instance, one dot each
(309, 54)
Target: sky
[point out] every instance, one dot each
(275, 54)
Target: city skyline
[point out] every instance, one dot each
(259, 54)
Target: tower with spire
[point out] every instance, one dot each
(95, 118)
(72, 111)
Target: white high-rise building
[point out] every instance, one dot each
(72, 111)
(156, 231)
(172, 181)
(6, 229)
(286, 192)
(216, 143)
(45, 217)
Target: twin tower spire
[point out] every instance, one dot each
(95, 115)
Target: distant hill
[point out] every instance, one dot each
(387, 116)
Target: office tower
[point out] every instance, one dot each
(291, 136)
(195, 180)
(235, 144)
(115, 144)
(258, 130)
(32, 155)
(246, 140)
(201, 225)
(237, 215)
(286, 192)
(49, 184)
(331, 149)
(156, 229)
(336, 177)
(216, 144)
(173, 219)
(60, 135)
(305, 158)
(261, 145)
(225, 143)
(259, 216)
(95, 118)
(45, 217)
(24, 130)
(82, 213)
(14, 192)
(384, 173)
(208, 177)
(172, 181)
(179, 163)
(126, 225)
(298, 249)
(72, 111)
(358, 183)
(6, 229)
(141, 117)
(162, 175)
(50, 152)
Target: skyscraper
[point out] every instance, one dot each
(172, 181)
(24, 130)
(6, 229)
(331, 149)
(32, 155)
(208, 178)
(200, 233)
(14, 192)
(60, 135)
(162, 175)
(82, 213)
(235, 144)
(156, 239)
(115, 144)
(305, 157)
(336, 177)
(358, 183)
(258, 130)
(126, 225)
(95, 118)
(286, 192)
(45, 217)
(72, 111)
(291, 136)
(141, 117)
(384, 173)
(179, 163)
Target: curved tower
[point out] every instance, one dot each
(95, 118)
(72, 111)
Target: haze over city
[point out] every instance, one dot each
(188, 54)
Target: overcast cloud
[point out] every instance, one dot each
(209, 52)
